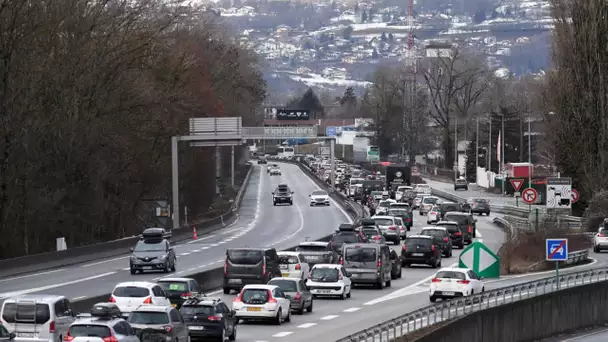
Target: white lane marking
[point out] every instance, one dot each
(215, 245)
(351, 310)
(580, 337)
(230, 231)
(478, 234)
(329, 318)
(126, 269)
(306, 325)
(184, 254)
(104, 261)
(48, 287)
(206, 247)
(480, 240)
(283, 334)
(79, 298)
(201, 239)
(31, 275)
(214, 292)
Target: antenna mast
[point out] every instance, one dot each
(408, 148)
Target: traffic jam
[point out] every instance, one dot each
(270, 285)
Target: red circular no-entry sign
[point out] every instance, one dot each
(529, 195)
(574, 194)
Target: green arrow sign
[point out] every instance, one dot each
(479, 258)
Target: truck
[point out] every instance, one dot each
(398, 175)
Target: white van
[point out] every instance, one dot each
(37, 317)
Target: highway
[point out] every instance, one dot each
(259, 224)
(600, 335)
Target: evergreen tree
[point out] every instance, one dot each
(375, 54)
(356, 8)
(470, 161)
(347, 33)
(391, 38)
(383, 37)
(364, 17)
(349, 99)
(310, 101)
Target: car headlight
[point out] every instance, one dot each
(163, 257)
(133, 258)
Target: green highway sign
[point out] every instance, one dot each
(479, 258)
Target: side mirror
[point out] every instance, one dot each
(272, 192)
(288, 297)
(131, 249)
(292, 192)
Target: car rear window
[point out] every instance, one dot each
(255, 296)
(148, 317)
(480, 200)
(244, 256)
(413, 242)
(360, 254)
(285, 285)
(429, 200)
(324, 274)
(452, 228)
(368, 232)
(197, 310)
(311, 249)
(174, 286)
(346, 238)
(449, 207)
(604, 231)
(450, 275)
(432, 232)
(288, 259)
(131, 291)
(456, 218)
(89, 330)
(38, 313)
(461, 181)
(384, 222)
(399, 212)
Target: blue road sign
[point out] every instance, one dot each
(331, 131)
(557, 249)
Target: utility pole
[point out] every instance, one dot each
(409, 89)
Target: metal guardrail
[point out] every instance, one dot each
(445, 311)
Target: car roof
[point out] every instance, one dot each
(90, 320)
(419, 236)
(314, 243)
(288, 253)
(44, 298)
(174, 279)
(454, 223)
(326, 266)
(458, 213)
(152, 308)
(454, 269)
(383, 217)
(286, 278)
(144, 284)
(259, 287)
(434, 227)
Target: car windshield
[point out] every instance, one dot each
(429, 200)
(376, 193)
(369, 232)
(148, 317)
(131, 292)
(150, 246)
(384, 221)
(450, 275)
(413, 242)
(361, 254)
(285, 285)
(432, 232)
(399, 212)
(450, 207)
(324, 274)
(456, 218)
(288, 259)
(245, 256)
(197, 310)
(452, 228)
(319, 193)
(174, 286)
(384, 204)
(255, 296)
(480, 201)
(311, 249)
(345, 238)
(89, 330)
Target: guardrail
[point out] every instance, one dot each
(445, 311)
(86, 253)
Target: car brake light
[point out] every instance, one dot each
(445, 239)
(110, 339)
(237, 299)
(52, 327)
(403, 248)
(433, 213)
(67, 337)
(298, 267)
(271, 298)
(214, 318)
(379, 263)
(340, 277)
(392, 227)
(341, 261)
(435, 280)
(298, 296)
(168, 328)
(600, 235)
(111, 300)
(264, 269)
(465, 282)
(408, 219)
(470, 229)
(187, 294)
(433, 248)
(458, 234)
(148, 300)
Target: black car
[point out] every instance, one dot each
(208, 317)
(464, 219)
(346, 234)
(441, 238)
(262, 160)
(457, 232)
(461, 184)
(282, 194)
(478, 206)
(153, 252)
(249, 266)
(420, 249)
(447, 207)
(395, 265)
(179, 290)
(5, 335)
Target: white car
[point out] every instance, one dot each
(391, 227)
(417, 201)
(129, 296)
(384, 205)
(293, 265)
(600, 240)
(262, 302)
(423, 189)
(433, 215)
(319, 197)
(455, 282)
(329, 280)
(275, 171)
(427, 204)
(401, 190)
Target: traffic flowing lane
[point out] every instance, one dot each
(260, 224)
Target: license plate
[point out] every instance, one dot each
(196, 327)
(24, 334)
(418, 254)
(283, 267)
(448, 293)
(147, 267)
(234, 281)
(254, 309)
(174, 305)
(285, 275)
(323, 291)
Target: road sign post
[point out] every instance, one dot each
(529, 195)
(516, 183)
(556, 250)
(479, 258)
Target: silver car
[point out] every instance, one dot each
(164, 320)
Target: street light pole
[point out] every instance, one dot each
(530, 154)
(476, 147)
(455, 149)
(502, 153)
(489, 154)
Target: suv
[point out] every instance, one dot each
(104, 323)
(446, 207)
(479, 206)
(179, 289)
(441, 238)
(249, 266)
(209, 317)
(282, 194)
(464, 219)
(37, 317)
(420, 249)
(368, 263)
(159, 320)
(317, 252)
(346, 234)
(152, 252)
(461, 183)
(456, 231)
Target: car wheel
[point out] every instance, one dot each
(288, 318)
(399, 274)
(595, 249)
(428, 222)
(343, 296)
(279, 319)
(309, 308)
(421, 213)
(434, 265)
(388, 283)
(173, 266)
(226, 290)
(166, 268)
(349, 292)
(433, 299)
(133, 271)
(380, 284)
